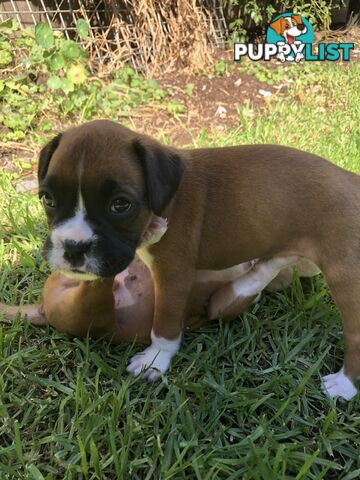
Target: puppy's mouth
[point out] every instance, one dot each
(290, 38)
(76, 270)
(93, 268)
(77, 274)
(96, 264)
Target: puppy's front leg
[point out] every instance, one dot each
(171, 298)
(33, 313)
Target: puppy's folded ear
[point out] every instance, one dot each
(278, 25)
(163, 170)
(45, 156)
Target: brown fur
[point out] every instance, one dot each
(273, 202)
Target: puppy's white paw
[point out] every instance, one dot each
(154, 360)
(151, 361)
(338, 385)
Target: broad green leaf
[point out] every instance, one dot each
(77, 74)
(67, 85)
(56, 62)
(5, 58)
(54, 83)
(71, 50)
(44, 36)
(9, 25)
(82, 29)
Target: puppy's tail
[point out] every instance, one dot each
(33, 313)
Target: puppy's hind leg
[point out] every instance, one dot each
(344, 283)
(304, 267)
(233, 298)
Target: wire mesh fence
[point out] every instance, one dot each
(149, 35)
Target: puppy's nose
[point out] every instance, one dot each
(74, 252)
(301, 27)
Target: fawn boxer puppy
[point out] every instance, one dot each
(121, 308)
(101, 185)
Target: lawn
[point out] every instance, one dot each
(241, 400)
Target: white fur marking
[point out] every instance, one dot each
(75, 228)
(338, 385)
(81, 205)
(154, 360)
(227, 275)
(260, 276)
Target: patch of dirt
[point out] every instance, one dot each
(213, 103)
(9, 151)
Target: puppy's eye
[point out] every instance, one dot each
(120, 205)
(47, 200)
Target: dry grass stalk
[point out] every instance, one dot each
(153, 36)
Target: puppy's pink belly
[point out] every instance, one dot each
(134, 296)
(134, 302)
(122, 295)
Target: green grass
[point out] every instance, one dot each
(240, 401)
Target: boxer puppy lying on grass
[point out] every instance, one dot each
(121, 308)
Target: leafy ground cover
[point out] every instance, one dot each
(241, 400)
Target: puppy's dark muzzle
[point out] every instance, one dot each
(301, 27)
(109, 269)
(74, 252)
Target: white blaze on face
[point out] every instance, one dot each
(75, 228)
(293, 29)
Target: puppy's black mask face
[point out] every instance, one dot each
(100, 184)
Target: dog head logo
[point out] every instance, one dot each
(289, 27)
(288, 30)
